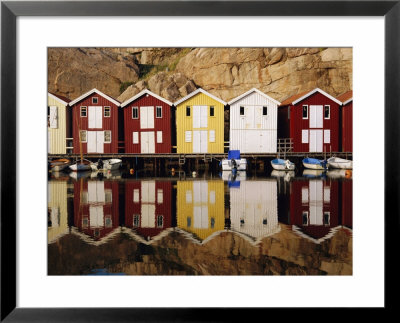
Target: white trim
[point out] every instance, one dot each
(104, 111)
(348, 101)
(80, 111)
(199, 90)
(159, 106)
(308, 111)
(137, 110)
(57, 98)
(251, 91)
(91, 92)
(145, 91)
(327, 105)
(320, 91)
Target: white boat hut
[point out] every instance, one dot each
(253, 122)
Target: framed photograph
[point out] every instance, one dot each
(200, 157)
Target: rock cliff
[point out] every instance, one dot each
(175, 72)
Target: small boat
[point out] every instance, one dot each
(282, 164)
(82, 174)
(313, 163)
(58, 165)
(234, 161)
(340, 163)
(108, 164)
(313, 173)
(81, 165)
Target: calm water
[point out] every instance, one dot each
(212, 224)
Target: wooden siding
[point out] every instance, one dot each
(138, 203)
(297, 123)
(254, 208)
(82, 123)
(200, 207)
(96, 208)
(57, 210)
(347, 127)
(57, 136)
(253, 132)
(184, 123)
(314, 198)
(160, 124)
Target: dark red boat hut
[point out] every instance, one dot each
(95, 123)
(148, 208)
(311, 120)
(96, 213)
(147, 124)
(314, 208)
(347, 121)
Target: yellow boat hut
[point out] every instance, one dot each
(58, 123)
(200, 123)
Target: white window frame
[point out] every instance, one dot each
(212, 136)
(308, 111)
(85, 131)
(213, 107)
(107, 142)
(137, 112)
(244, 111)
(136, 193)
(266, 107)
(308, 218)
(160, 192)
(109, 116)
(86, 111)
(188, 134)
(97, 100)
(159, 136)
(323, 218)
(327, 133)
(162, 220)
(329, 117)
(190, 112)
(136, 142)
(159, 106)
(304, 136)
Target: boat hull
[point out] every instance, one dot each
(241, 164)
(80, 167)
(284, 165)
(313, 166)
(338, 163)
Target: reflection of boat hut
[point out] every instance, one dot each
(200, 208)
(148, 209)
(254, 209)
(311, 120)
(347, 203)
(147, 123)
(57, 222)
(96, 213)
(314, 208)
(59, 123)
(200, 123)
(253, 122)
(95, 122)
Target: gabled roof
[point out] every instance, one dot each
(199, 90)
(145, 91)
(60, 98)
(94, 91)
(346, 97)
(294, 99)
(251, 91)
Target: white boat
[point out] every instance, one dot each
(313, 163)
(58, 165)
(234, 161)
(81, 165)
(282, 164)
(108, 164)
(340, 163)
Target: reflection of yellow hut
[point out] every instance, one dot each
(200, 207)
(57, 210)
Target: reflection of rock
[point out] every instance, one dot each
(225, 72)
(284, 253)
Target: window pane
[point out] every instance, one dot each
(107, 111)
(305, 111)
(94, 100)
(211, 111)
(158, 112)
(134, 112)
(188, 111)
(83, 111)
(242, 111)
(265, 111)
(107, 136)
(327, 111)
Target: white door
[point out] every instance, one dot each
(200, 116)
(200, 141)
(316, 116)
(316, 202)
(96, 216)
(146, 117)
(95, 117)
(95, 141)
(148, 192)
(316, 141)
(147, 142)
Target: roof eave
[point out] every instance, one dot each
(57, 98)
(314, 91)
(91, 92)
(145, 91)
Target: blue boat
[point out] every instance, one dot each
(313, 163)
(233, 161)
(282, 164)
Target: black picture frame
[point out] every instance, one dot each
(10, 10)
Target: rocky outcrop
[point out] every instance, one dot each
(175, 72)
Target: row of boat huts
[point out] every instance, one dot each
(95, 123)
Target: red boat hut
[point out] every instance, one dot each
(347, 121)
(95, 123)
(311, 120)
(147, 124)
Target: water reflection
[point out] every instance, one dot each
(227, 224)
